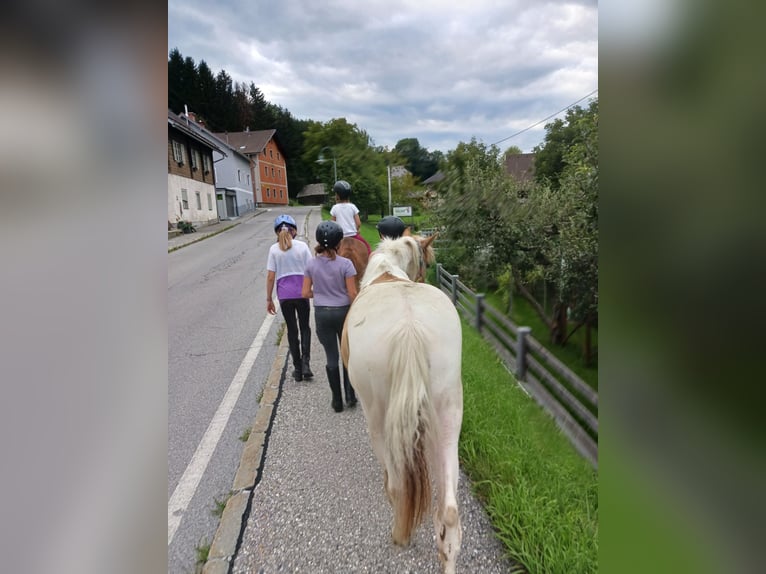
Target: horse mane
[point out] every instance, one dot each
(400, 258)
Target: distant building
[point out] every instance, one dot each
(191, 177)
(312, 194)
(268, 165)
(521, 167)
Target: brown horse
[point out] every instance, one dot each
(356, 251)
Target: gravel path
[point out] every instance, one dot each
(320, 505)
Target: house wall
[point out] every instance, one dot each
(176, 185)
(272, 175)
(233, 171)
(186, 168)
(185, 175)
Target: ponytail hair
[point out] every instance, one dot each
(285, 237)
(329, 252)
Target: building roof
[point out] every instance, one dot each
(398, 171)
(311, 190)
(248, 142)
(435, 178)
(193, 130)
(521, 166)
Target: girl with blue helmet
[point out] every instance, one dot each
(286, 265)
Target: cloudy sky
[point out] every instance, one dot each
(439, 71)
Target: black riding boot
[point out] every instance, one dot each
(333, 376)
(306, 359)
(350, 394)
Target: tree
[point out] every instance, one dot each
(176, 95)
(243, 111)
(357, 161)
(418, 160)
(205, 105)
(546, 238)
(513, 150)
(560, 135)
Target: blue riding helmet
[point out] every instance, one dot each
(284, 219)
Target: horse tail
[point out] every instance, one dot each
(410, 423)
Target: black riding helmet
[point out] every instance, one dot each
(329, 234)
(391, 227)
(342, 188)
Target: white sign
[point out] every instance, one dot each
(402, 211)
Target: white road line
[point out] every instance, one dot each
(186, 487)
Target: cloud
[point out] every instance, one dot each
(399, 70)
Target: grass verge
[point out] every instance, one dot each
(541, 496)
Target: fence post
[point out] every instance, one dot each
(453, 287)
(439, 275)
(479, 310)
(521, 353)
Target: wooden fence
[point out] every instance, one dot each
(567, 398)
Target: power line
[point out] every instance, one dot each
(546, 119)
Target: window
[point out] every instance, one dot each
(279, 174)
(209, 202)
(271, 153)
(280, 194)
(199, 200)
(184, 199)
(178, 153)
(272, 172)
(265, 170)
(195, 159)
(206, 163)
(248, 179)
(239, 175)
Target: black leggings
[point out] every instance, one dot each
(329, 321)
(297, 312)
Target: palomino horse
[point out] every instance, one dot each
(356, 251)
(402, 346)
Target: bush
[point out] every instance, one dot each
(186, 226)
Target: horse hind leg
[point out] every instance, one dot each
(449, 535)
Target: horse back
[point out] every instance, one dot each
(380, 309)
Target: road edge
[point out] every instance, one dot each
(227, 538)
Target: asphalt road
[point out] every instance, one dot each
(221, 345)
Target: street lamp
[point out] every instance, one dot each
(390, 211)
(322, 159)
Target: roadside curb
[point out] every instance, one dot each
(227, 538)
(203, 235)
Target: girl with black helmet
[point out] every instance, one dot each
(286, 263)
(329, 280)
(346, 213)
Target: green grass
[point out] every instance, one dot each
(220, 505)
(202, 551)
(541, 496)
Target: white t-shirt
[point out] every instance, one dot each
(288, 267)
(344, 214)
